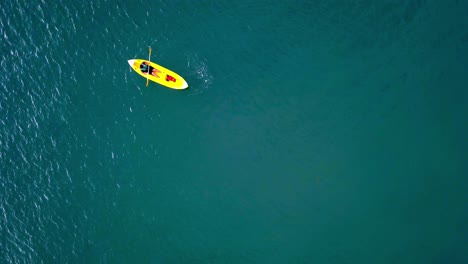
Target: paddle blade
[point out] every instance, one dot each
(147, 81)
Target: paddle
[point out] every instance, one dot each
(149, 62)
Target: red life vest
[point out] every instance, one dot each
(170, 78)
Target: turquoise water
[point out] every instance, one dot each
(312, 132)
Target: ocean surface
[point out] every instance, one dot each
(312, 132)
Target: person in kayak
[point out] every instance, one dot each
(145, 67)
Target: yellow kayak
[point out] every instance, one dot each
(158, 74)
